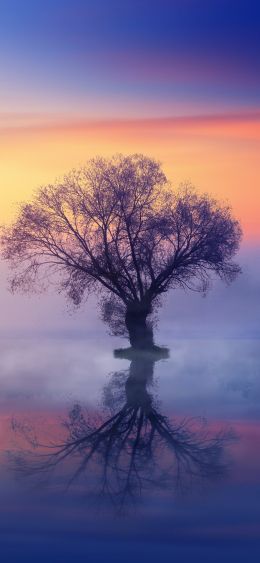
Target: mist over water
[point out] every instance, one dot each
(53, 360)
(129, 425)
(215, 384)
(227, 311)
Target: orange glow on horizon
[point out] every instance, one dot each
(217, 154)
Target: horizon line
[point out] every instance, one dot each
(53, 119)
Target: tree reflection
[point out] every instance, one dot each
(134, 448)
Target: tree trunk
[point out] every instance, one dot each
(140, 332)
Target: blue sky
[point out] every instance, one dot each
(60, 54)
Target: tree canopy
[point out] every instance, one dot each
(116, 227)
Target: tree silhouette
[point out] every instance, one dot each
(133, 449)
(115, 227)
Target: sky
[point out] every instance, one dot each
(177, 80)
(132, 58)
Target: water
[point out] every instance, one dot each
(196, 496)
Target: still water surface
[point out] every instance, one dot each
(109, 458)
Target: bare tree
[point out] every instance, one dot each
(117, 228)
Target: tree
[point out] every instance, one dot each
(117, 228)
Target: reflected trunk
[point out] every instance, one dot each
(140, 375)
(134, 447)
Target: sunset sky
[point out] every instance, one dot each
(178, 80)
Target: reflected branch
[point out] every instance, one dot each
(135, 448)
